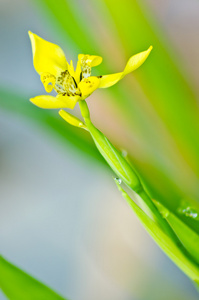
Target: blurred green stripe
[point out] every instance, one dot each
(50, 120)
(17, 285)
(161, 80)
(67, 16)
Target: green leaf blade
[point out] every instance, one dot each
(175, 251)
(188, 237)
(18, 285)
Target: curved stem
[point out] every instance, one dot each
(165, 234)
(123, 169)
(84, 110)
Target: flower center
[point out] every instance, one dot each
(65, 83)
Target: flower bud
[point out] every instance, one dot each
(114, 158)
(72, 120)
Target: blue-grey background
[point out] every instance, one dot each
(61, 217)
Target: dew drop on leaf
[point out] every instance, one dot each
(188, 211)
(119, 180)
(124, 153)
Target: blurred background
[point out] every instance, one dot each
(62, 218)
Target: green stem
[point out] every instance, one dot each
(163, 233)
(112, 156)
(124, 171)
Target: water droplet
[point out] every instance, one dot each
(119, 180)
(124, 153)
(188, 211)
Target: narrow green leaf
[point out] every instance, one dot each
(176, 252)
(188, 237)
(18, 285)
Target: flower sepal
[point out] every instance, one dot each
(72, 120)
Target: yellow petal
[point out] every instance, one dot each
(72, 120)
(133, 63)
(48, 81)
(47, 57)
(69, 101)
(71, 69)
(90, 60)
(46, 101)
(88, 85)
(109, 80)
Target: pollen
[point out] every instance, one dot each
(66, 84)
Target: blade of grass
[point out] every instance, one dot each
(178, 254)
(188, 237)
(18, 285)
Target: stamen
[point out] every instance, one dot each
(75, 82)
(66, 84)
(85, 66)
(58, 88)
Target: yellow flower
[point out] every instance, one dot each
(72, 85)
